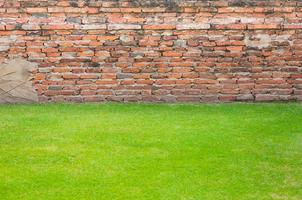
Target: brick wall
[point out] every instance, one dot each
(158, 51)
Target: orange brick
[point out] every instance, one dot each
(93, 10)
(234, 48)
(33, 50)
(263, 26)
(172, 54)
(40, 76)
(107, 37)
(225, 10)
(61, 69)
(36, 10)
(159, 27)
(49, 50)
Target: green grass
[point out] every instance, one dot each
(141, 151)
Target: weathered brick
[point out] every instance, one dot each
(192, 26)
(12, 10)
(93, 26)
(266, 97)
(89, 76)
(56, 9)
(74, 10)
(70, 76)
(154, 10)
(31, 27)
(110, 10)
(123, 27)
(36, 10)
(58, 27)
(231, 26)
(131, 10)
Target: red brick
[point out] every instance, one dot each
(10, 27)
(93, 10)
(165, 82)
(296, 76)
(110, 50)
(67, 92)
(284, 9)
(53, 54)
(293, 26)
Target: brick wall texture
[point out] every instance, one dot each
(157, 51)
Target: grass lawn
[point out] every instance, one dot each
(141, 151)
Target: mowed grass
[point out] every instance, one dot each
(143, 151)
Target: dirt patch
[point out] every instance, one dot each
(16, 82)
